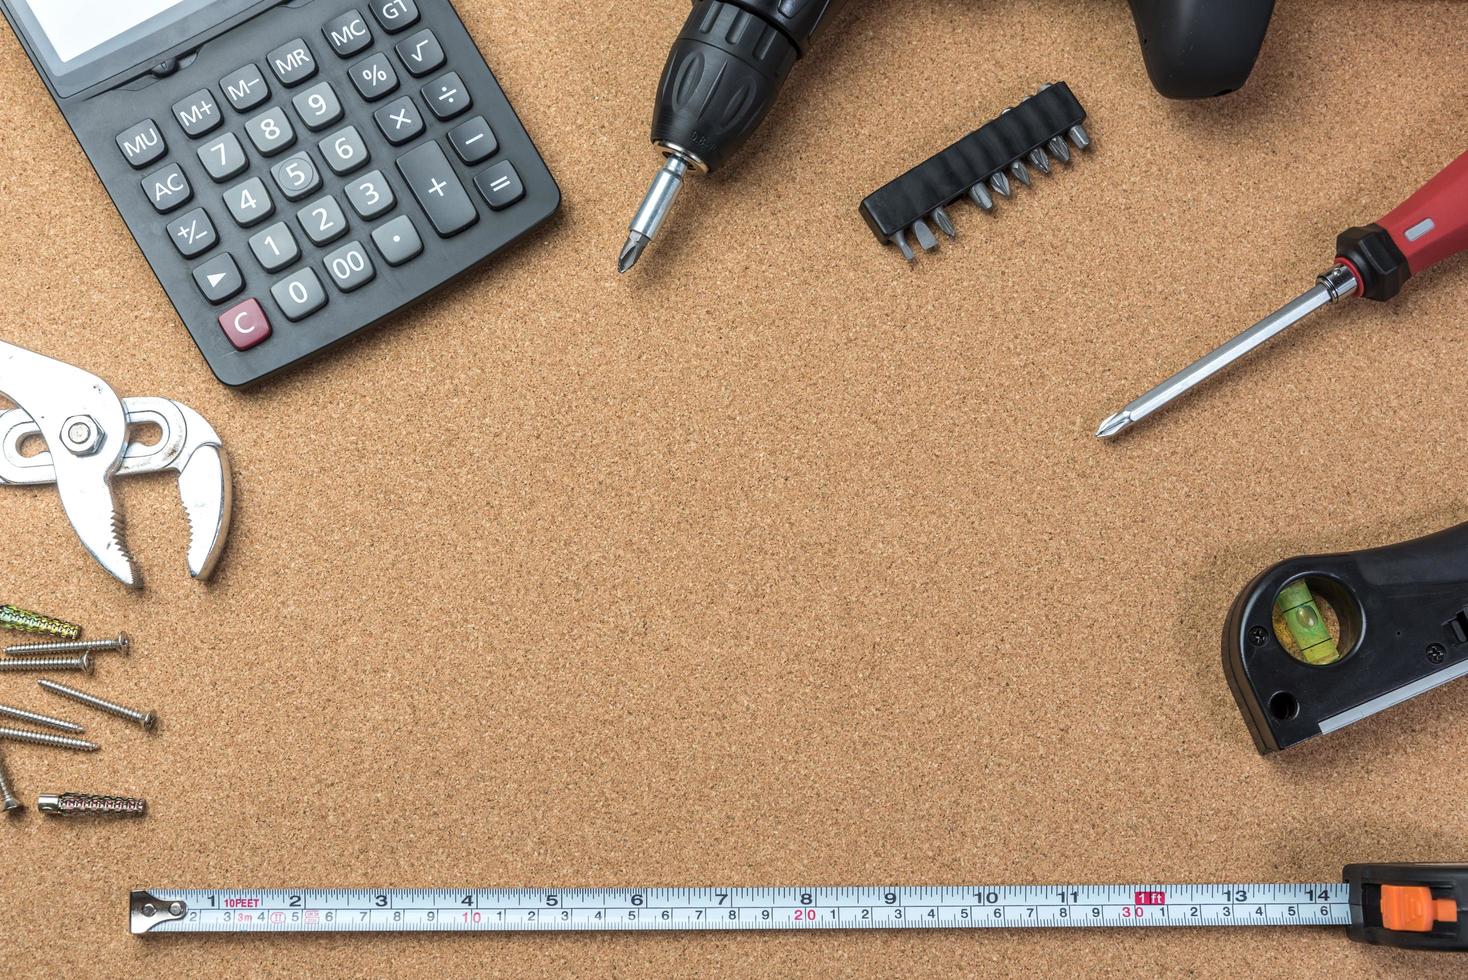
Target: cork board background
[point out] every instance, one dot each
(776, 561)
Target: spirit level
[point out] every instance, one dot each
(1402, 618)
(1413, 905)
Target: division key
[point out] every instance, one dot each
(433, 182)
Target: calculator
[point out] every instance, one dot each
(294, 170)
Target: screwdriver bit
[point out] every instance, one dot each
(721, 79)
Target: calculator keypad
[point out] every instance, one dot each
(446, 96)
(299, 210)
(473, 141)
(350, 267)
(437, 188)
(500, 185)
(245, 324)
(398, 240)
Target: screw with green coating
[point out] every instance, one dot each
(25, 621)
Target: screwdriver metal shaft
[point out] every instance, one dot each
(1330, 287)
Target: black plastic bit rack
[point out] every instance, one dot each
(979, 165)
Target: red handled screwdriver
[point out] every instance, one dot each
(1373, 261)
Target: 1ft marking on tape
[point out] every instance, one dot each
(656, 909)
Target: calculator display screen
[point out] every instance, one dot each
(75, 27)
(85, 41)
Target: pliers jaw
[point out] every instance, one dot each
(206, 488)
(85, 427)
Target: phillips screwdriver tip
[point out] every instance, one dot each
(1114, 425)
(631, 252)
(655, 206)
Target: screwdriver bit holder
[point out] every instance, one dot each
(984, 161)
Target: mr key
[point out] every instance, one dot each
(299, 175)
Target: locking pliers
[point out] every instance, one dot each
(85, 426)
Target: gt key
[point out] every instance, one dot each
(437, 188)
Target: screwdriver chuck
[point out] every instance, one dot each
(722, 77)
(720, 81)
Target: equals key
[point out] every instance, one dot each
(433, 182)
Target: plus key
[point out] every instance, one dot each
(437, 188)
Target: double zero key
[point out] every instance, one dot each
(434, 183)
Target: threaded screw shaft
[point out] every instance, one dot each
(78, 804)
(25, 621)
(8, 802)
(121, 644)
(147, 719)
(44, 738)
(36, 718)
(82, 663)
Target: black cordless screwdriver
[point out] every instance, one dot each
(721, 80)
(732, 57)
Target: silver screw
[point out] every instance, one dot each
(45, 721)
(42, 738)
(75, 804)
(10, 804)
(144, 718)
(121, 644)
(82, 663)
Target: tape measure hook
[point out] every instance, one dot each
(146, 910)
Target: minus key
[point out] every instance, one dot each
(473, 140)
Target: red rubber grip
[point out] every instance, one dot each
(1432, 224)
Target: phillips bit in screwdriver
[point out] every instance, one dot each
(721, 79)
(1374, 261)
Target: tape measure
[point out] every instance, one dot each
(1404, 905)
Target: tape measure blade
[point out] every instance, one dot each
(738, 908)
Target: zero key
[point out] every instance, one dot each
(433, 182)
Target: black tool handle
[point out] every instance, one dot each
(1196, 49)
(726, 70)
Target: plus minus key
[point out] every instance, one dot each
(432, 180)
